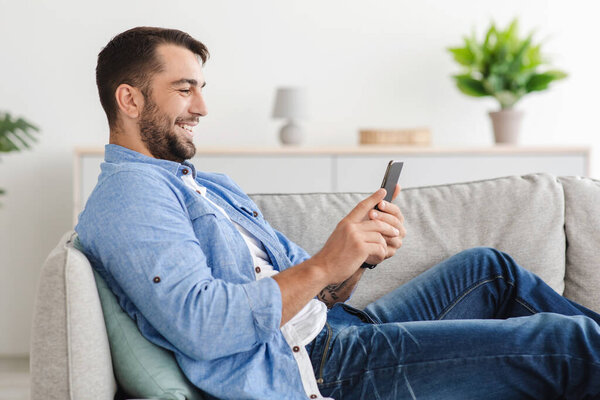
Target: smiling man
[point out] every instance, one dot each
(249, 314)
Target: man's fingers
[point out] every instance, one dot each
(378, 250)
(394, 242)
(380, 227)
(362, 208)
(374, 237)
(390, 214)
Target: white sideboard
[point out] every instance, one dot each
(355, 169)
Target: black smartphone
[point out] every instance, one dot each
(390, 179)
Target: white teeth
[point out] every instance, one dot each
(186, 127)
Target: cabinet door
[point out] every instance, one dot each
(272, 173)
(364, 173)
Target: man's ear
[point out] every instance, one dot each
(130, 100)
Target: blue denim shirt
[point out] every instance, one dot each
(183, 272)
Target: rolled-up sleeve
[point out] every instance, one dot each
(138, 229)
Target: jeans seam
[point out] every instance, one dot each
(528, 306)
(402, 365)
(466, 292)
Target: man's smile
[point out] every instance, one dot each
(187, 126)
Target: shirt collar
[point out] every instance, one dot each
(119, 154)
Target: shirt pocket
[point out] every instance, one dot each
(202, 207)
(215, 234)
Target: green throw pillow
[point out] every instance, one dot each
(142, 368)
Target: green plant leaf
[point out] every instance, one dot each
(557, 74)
(538, 82)
(463, 56)
(470, 86)
(16, 134)
(533, 57)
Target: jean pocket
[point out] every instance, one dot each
(360, 314)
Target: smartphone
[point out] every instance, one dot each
(390, 179)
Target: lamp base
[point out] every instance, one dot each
(291, 134)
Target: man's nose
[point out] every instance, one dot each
(198, 105)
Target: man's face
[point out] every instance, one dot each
(174, 105)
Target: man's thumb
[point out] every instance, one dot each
(367, 204)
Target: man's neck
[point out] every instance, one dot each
(129, 142)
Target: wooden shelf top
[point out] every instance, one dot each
(371, 150)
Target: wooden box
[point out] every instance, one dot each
(416, 136)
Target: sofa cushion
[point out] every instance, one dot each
(521, 215)
(70, 357)
(582, 219)
(142, 368)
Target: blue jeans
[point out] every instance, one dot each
(476, 326)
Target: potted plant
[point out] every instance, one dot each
(507, 68)
(15, 134)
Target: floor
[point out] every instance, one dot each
(14, 378)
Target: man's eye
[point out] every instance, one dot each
(185, 91)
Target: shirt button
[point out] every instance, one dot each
(313, 396)
(257, 269)
(184, 171)
(296, 349)
(255, 214)
(199, 192)
(156, 279)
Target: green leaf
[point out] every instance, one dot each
(494, 83)
(533, 57)
(470, 86)
(541, 81)
(16, 135)
(463, 56)
(556, 74)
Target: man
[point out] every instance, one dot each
(244, 309)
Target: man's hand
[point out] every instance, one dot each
(390, 214)
(358, 238)
(336, 267)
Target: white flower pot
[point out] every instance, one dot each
(507, 125)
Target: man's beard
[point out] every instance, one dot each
(160, 137)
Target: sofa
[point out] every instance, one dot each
(550, 225)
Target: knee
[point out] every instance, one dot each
(567, 331)
(491, 259)
(482, 253)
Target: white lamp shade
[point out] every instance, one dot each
(290, 103)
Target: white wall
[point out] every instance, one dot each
(367, 64)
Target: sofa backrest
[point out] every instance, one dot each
(582, 227)
(521, 215)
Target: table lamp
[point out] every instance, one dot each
(290, 103)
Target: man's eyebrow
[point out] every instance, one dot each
(182, 81)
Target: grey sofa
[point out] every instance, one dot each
(549, 225)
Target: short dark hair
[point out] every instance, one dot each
(130, 58)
